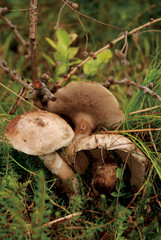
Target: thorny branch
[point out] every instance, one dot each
(109, 45)
(13, 28)
(127, 82)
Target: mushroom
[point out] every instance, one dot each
(87, 105)
(42, 133)
(95, 149)
(105, 178)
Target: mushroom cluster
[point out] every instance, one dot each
(86, 105)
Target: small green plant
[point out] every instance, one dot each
(18, 220)
(64, 55)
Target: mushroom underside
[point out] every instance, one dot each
(95, 151)
(87, 101)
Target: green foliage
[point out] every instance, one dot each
(12, 197)
(94, 65)
(64, 54)
(120, 225)
(17, 219)
(41, 211)
(120, 185)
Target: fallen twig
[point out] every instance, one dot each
(62, 219)
(128, 82)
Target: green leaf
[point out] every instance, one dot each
(76, 61)
(51, 42)
(91, 67)
(114, 194)
(104, 56)
(72, 52)
(120, 194)
(119, 173)
(73, 37)
(49, 59)
(63, 40)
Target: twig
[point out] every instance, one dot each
(152, 140)
(43, 90)
(90, 18)
(74, 70)
(128, 82)
(130, 220)
(86, 46)
(18, 10)
(18, 101)
(123, 52)
(15, 76)
(144, 110)
(134, 197)
(23, 99)
(62, 219)
(60, 11)
(33, 18)
(131, 130)
(14, 30)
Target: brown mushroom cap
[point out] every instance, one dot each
(87, 101)
(38, 133)
(123, 146)
(105, 178)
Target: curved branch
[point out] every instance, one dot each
(123, 36)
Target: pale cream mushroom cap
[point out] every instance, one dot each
(38, 133)
(88, 101)
(123, 146)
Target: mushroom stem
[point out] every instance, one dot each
(61, 169)
(82, 129)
